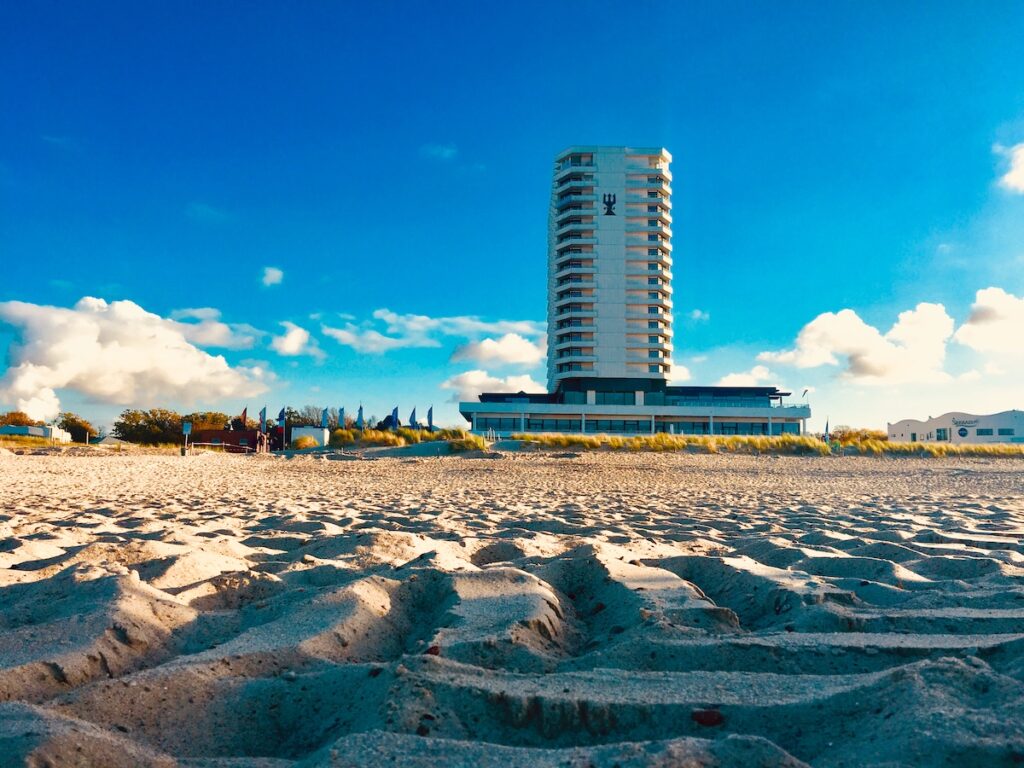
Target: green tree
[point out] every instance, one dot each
(80, 429)
(18, 419)
(157, 425)
(207, 420)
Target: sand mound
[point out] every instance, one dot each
(599, 610)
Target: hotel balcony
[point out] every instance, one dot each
(573, 222)
(576, 356)
(577, 187)
(642, 273)
(564, 202)
(665, 317)
(663, 244)
(636, 227)
(637, 283)
(567, 166)
(575, 269)
(575, 239)
(574, 281)
(654, 198)
(637, 357)
(574, 251)
(574, 343)
(570, 313)
(660, 185)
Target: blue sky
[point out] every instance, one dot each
(397, 156)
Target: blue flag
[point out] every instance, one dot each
(412, 419)
(394, 418)
(430, 418)
(263, 420)
(323, 418)
(280, 419)
(359, 418)
(341, 418)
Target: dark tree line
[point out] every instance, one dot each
(160, 425)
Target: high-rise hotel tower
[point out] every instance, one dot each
(610, 343)
(610, 265)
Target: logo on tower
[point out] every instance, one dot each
(609, 205)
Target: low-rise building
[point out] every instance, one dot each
(607, 409)
(54, 433)
(957, 427)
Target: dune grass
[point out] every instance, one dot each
(467, 442)
(794, 445)
(355, 438)
(24, 441)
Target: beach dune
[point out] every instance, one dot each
(527, 610)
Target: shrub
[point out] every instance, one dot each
(304, 442)
(468, 443)
(340, 437)
(380, 437)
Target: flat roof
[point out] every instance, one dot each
(590, 148)
(694, 392)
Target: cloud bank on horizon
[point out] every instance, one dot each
(113, 353)
(118, 353)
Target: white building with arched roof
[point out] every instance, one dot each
(957, 427)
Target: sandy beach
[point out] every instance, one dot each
(527, 610)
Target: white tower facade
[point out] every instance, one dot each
(610, 265)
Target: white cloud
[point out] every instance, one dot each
(373, 342)
(913, 349)
(115, 353)
(209, 331)
(756, 376)
(995, 325)
(459, 325)
(439, 151)
(470, 384)
(1013, 179)
(272, 276)
(510, 349)
(700, 316)
(296, 341)
(420, 331)
(678, 373)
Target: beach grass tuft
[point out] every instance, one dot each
(793, 445)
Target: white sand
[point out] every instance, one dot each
(663, 610)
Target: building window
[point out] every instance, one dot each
(942, 433)
(653, 252)
(653, 310)
(498, 424)
(654, 339)
(654, 369)
(614, 398)
(984, 431)
(652, 209)
(654, 353)
(1006, 431)
(552, 425)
